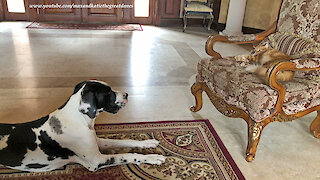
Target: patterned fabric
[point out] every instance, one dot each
(307, 63)
(300, 17)
(293, 45)
(302, 93)
(229, 80)
(193, 150)
(197, 7)
(242, 38)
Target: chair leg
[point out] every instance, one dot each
(204, 21)
(210, 21)
(184, 21)
(254, 134)
(196, 90)
(315, 126)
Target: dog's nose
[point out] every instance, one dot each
(125, 96)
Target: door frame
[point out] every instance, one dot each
(1, 11)
(11, 16)
(130, 18)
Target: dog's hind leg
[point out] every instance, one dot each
(114, 143)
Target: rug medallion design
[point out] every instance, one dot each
(193, 149)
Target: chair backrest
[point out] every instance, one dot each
(300, 17)
(298, 29)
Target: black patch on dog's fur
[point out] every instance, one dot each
(79, 86)
(107, 163)
(36, 166)
(52, 148)
(21, 138)
(5, 129)
(89, 98)
(55, 125)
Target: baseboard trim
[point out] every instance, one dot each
(178, 22)
(245, 30)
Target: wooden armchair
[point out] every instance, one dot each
(238, 93)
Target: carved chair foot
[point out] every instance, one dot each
(315, 126)
(254, 134)
(193, 109)
(250, 157)
(196, 90)
(316, 133)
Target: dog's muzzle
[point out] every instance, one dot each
(122, 99)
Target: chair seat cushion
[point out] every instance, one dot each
(197, 7)
(229, 80)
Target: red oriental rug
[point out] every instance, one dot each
(194, 152)
(123, 27)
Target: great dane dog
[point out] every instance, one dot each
(67, 135)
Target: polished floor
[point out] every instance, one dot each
(39, 68)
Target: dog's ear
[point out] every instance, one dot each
(88, 104)
(78, 87)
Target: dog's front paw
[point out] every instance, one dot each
(151, 143)
(154, 159)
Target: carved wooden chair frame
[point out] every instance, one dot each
(254, 128)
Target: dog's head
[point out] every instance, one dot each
(97, 96)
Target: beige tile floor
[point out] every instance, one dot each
(38, 69)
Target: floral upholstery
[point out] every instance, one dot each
(307, 63)
(298, 28)
(229, 80)
(300, 17)
(241, 38)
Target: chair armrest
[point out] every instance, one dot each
(241, 39)
(293, 65)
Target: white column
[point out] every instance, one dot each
(235, 18)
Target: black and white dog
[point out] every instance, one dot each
(67, 135)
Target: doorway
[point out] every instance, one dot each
(15, 10)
